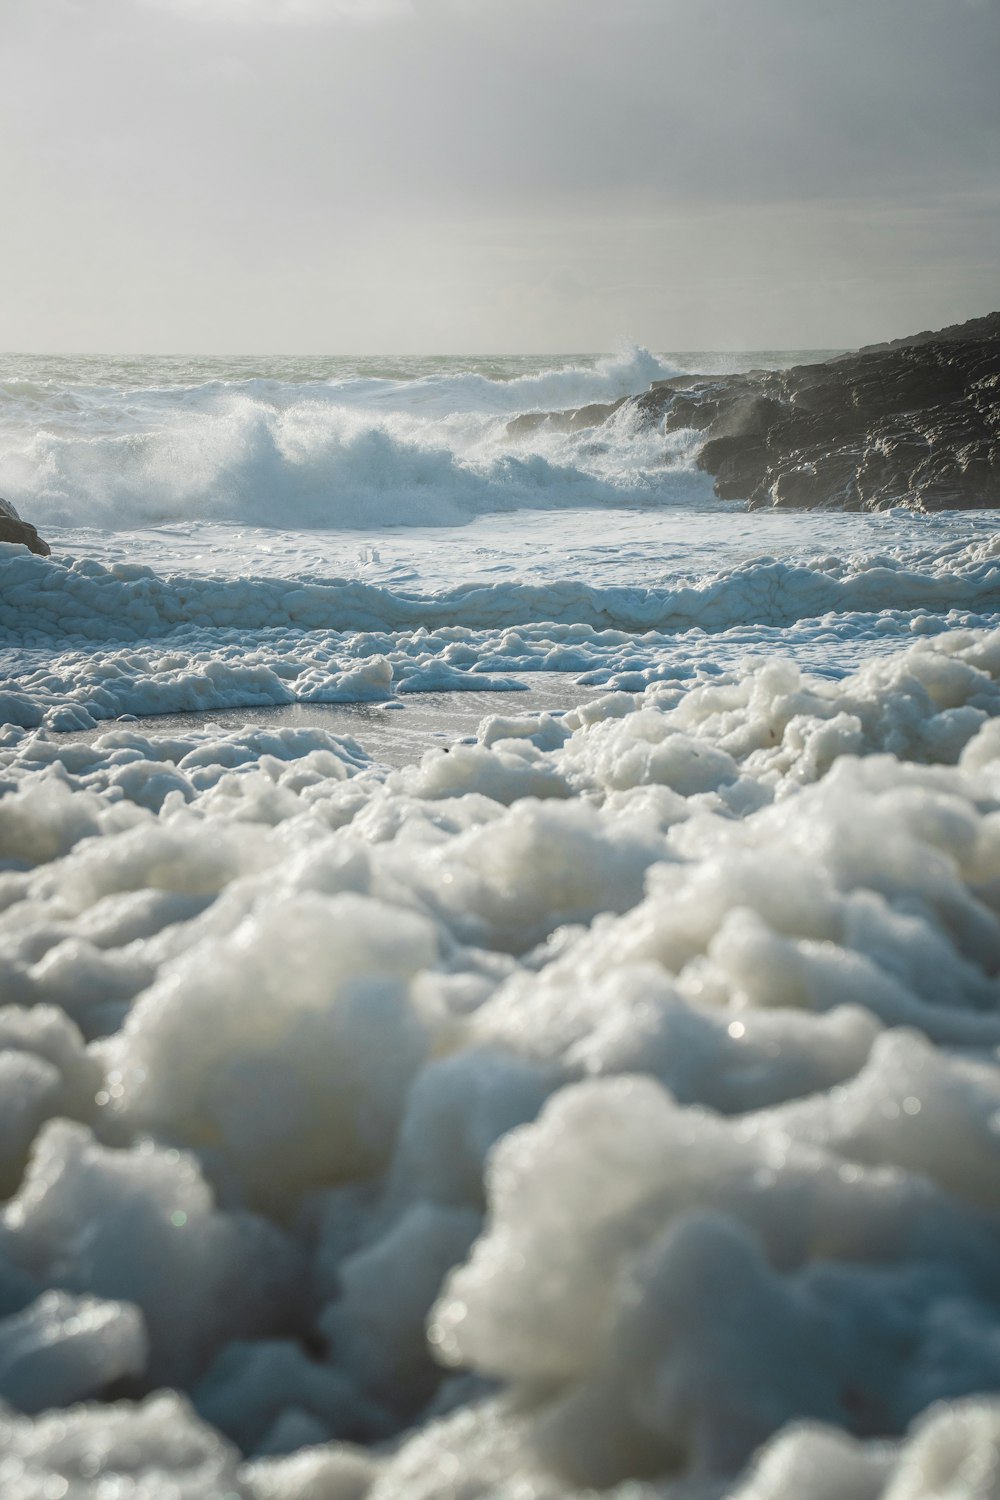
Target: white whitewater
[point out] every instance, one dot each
(609, 1104)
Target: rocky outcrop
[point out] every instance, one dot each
(915, 422)
(13, 529)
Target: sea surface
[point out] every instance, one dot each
(499, 951)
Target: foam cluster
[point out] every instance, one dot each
(86, 640)
(608, 1105)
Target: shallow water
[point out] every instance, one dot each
(609, 1103)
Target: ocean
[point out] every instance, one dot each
(498, 950)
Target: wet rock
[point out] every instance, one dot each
(564, 421)
(912, 423)
(915, 422)
(13, 529)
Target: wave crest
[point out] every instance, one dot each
(331, 458)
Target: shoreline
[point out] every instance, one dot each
(395, 733)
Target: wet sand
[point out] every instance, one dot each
(396, 732)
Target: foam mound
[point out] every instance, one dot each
(610, 1105)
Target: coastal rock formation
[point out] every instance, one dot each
(912, 423)
(13, 529)
(915, 423)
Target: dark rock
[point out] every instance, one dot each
(975, 328)
(13, 529)
(564, 421)
(915, 422)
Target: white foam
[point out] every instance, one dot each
(62, 1349)
(140, 1227)
(645, 1053)
(434, 451)
(663, 1032)
(89, 641)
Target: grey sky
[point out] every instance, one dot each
(458, 175)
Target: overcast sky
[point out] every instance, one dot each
(403, 176)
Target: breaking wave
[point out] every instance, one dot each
(346, 452)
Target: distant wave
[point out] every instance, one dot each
(625, 374)
(516, 383)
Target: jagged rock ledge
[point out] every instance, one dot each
(915, 422)
(13, 529)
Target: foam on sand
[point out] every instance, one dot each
(608, 1104)
(87, 641)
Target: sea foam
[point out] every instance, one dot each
(87, 641)
(607, 1102)
(637, 1066)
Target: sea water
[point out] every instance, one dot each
(607, 1099)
